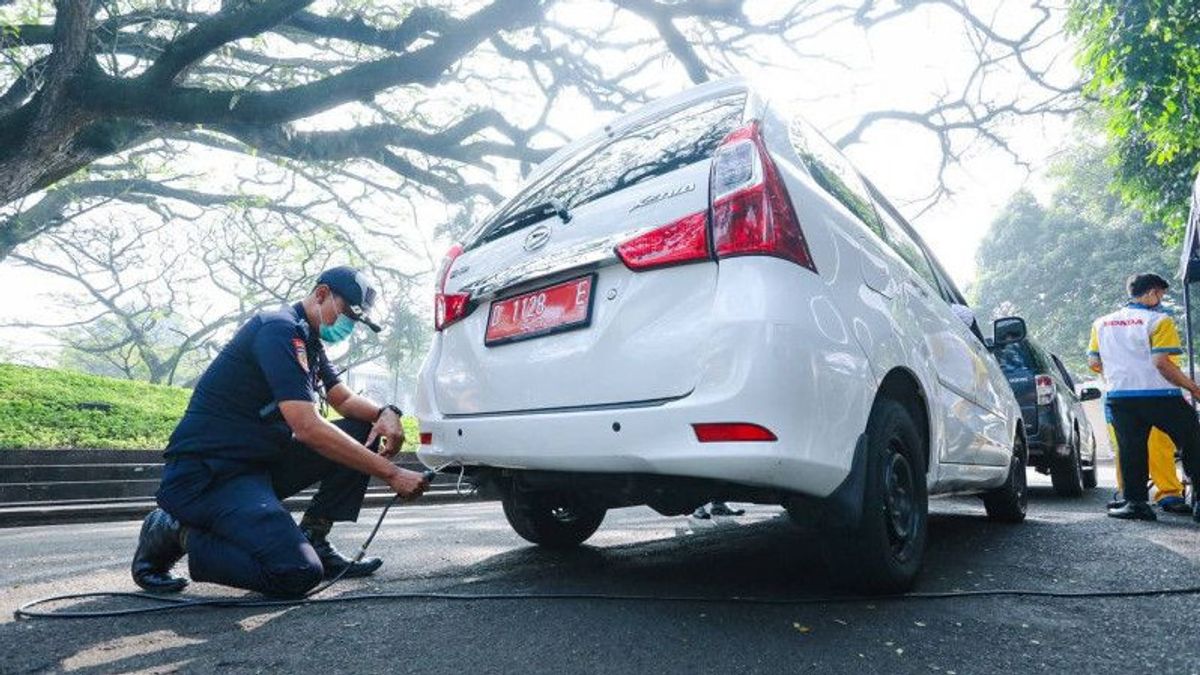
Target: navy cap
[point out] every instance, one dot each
(353, 287)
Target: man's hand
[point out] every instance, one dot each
(331, 442)
(408, 484)
(391, 430)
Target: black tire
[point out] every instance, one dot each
(1007, 503)
(1066, 473)
(1089, 472)
(551, 519)
(883, 554)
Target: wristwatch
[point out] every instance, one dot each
(391, 406)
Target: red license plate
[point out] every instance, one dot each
(553, 309)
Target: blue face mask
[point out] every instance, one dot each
(341, 329)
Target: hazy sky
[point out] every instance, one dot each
(904, 64)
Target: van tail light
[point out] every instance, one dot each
(752, 213)
(732, 432)
(677, 243)
(1045, 389)
(426, 438)
(449, 308)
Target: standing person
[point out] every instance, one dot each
(252, 436)
(1137, 348)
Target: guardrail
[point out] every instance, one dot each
(40, 487)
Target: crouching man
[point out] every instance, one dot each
(252, 436)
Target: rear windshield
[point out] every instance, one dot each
(653, 148)
(1015, 358)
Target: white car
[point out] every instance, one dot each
(705, 301)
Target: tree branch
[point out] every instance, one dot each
(190, 105)
(235, 22)
(419, 22)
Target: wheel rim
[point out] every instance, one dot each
(900, 502)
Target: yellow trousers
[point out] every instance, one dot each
(1163, 473)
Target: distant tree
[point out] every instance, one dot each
(1141, 60)
(162, 304)
(1063, 264)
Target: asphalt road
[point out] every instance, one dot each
(1064, 545)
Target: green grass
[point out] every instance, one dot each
(43, 408)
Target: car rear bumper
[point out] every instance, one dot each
(642, 440)
(1045, 445)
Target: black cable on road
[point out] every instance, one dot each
(168, 604)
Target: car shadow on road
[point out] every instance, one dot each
(769, 558)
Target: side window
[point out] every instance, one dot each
(897, 236)
(1062, 370)
(1041, 361)
(833, 172)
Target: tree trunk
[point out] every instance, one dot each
(38, 139)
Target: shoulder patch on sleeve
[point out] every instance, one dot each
(301, 353)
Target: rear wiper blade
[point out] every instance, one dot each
(532, 214)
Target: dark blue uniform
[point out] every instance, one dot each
(232, 459)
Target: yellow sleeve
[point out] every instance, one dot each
(1165, 338)
(1094, 343)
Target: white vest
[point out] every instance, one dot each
(1126, 342)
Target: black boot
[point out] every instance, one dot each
(158, 550)
(1133, 511)
(333, 561)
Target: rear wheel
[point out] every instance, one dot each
(551, 519)
(884, 553)
(1008, 502)
(1066, 473)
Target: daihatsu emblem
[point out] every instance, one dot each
(537, 238)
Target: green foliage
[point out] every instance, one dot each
(1142, 62)
(1062, 265)
(42, 408)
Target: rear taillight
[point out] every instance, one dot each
(751, 211)
(1045, 389)
(426, 438)
(683, 241)
(449, 307)
(732, 432)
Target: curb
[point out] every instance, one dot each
(63, 513)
